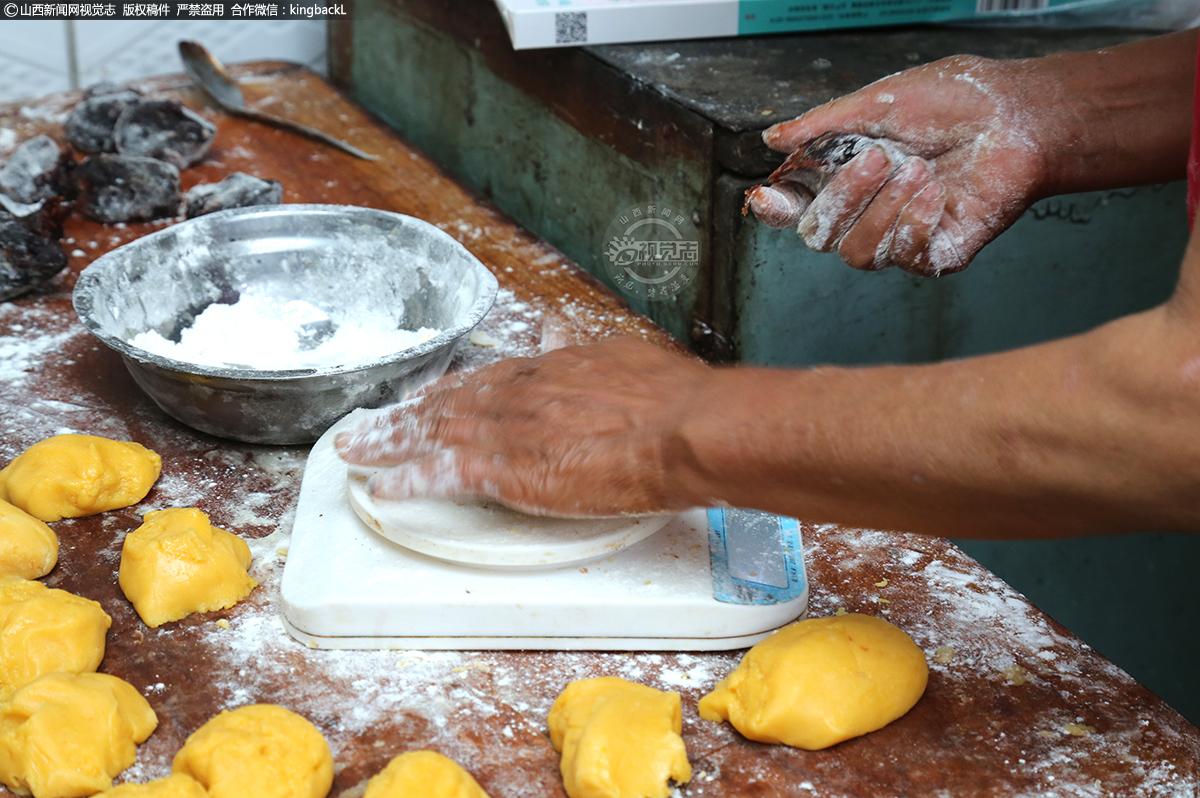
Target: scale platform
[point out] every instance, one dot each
(708, 580)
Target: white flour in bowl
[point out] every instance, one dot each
(262, 332)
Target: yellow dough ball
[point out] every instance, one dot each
(261, 750)
(177, 563)
(43, 630)
(618, 739)
(423, 774)
(176, 786)
(821, 681)
(28, 548)
(68, 476)
(67, 735)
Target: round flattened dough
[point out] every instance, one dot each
(176, 786)
(68, 476)
(177, 563)
(821, 681)
(67, 735)
(43, 630)
(262, 750)
(28, 548)
(426, 774)
(488, 534)
(618, 739)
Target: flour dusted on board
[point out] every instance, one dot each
(263, 332)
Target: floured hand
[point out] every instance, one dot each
(957, 161)
(581, 431)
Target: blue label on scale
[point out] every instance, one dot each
(756, 557)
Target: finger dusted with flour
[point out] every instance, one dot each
(778, 205)
(978, 165)
(577, 432)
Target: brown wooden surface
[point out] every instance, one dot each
(1016, 705)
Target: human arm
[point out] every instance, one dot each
(1093, 434)
(1097, 433)
(988, 138)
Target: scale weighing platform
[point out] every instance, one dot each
(707, 580)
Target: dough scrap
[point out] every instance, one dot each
(177, 563)
(618, 739)
(43, 630)
(67, 735)
(28, 548)
(175, 786)
(261, 750)
(821, 681)
(68, 476)
(423, 774)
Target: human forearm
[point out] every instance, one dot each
(1114, 117)
(1079, 436)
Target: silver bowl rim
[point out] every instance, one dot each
(94, 271)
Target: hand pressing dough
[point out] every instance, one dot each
(28, 548)
(43, 630)
(67, 735)
(177, 563)
(475, 532)
(423, 774)
(177, 786)
(260, 750)
(618, 739)
(68, 476)
(821, 681)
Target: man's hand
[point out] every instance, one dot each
(974, 163)
(581, 431)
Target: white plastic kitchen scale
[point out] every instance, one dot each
(706, 580)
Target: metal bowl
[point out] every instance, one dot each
(352, 263)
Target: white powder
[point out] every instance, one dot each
(29, 339)
(263, 332)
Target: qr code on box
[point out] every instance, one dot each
(570, 27)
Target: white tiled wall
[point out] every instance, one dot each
(41, 57)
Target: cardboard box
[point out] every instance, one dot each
(566, 23)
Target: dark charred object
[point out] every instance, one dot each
(122, 188)
(37, 170)
(44, 218)
(239, 190)
(805, 172)
(89, 127)
(26, 258)
(163, 129)
(104, 87)
(814, 163)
